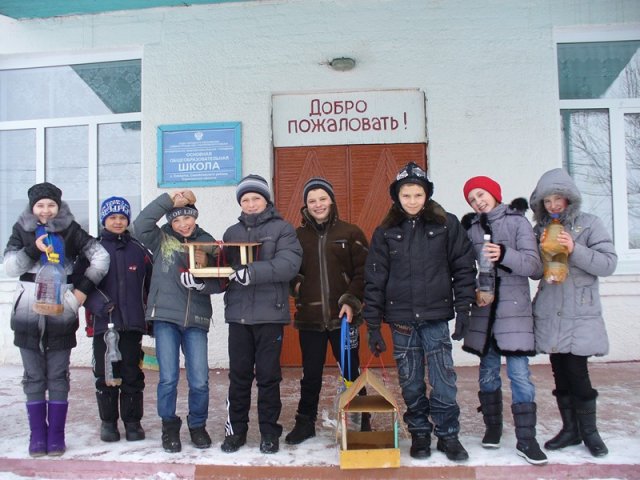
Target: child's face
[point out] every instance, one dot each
(481, 201)
(252, 202)
(319, 205)
(412, 198)
(184, 225)
(116, 223)
(45, 209)
(555, 204)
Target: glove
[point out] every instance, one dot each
(462, 325)
(189, 281)
(241, 275)
(376, 342)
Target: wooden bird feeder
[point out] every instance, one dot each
(246, 256)
(376, 449)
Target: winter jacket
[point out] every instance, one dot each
(418, 269)
(508, 320)
(568, 316)
(169, 300)
(276, 261)
(332, 272)
(23, 259)
(121, 296)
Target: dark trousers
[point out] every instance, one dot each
(571, 374)
(313, 346)
(254, 351)
(130, 346)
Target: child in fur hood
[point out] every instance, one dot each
(504, 326)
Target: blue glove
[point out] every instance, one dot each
(189, 281)
(462, 325)
(241, 275)
(376, 342)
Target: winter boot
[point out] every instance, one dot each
(452, 448)
(199, 437)
(569, 434)
(586, 415)
(57, 417)
(232, 443)
(131, 410)
(524, 417)
(420, 445)
(304, 429)
(269, 443)
(491, 408)
(37, 413)
(365, 422)
(171, 435)
(108, 410)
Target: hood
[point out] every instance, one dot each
(555, 182)
(28, 221)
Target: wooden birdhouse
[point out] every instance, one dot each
(221, 269)
(375, 449)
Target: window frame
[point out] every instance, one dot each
(628, 259)
(92, 122)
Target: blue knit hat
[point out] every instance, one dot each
(113, 205)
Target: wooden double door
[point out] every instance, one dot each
(360, 175)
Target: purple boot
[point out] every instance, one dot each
(57, 419)
(37, 413)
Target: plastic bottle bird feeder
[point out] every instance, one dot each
(219, 270)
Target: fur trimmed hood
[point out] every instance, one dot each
(518, 206)
(431, 213)
(555, 182)
(59, 223)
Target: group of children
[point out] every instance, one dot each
(417, 274)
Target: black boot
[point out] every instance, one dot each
(491, 408)
(586, 415)
(304, 429)
(524, 417)
(199, 437)
(569, 434)
(131, 410)
(452, 448)
(108, 410)
(420, 445)
(232, 443)
(171, 435)
(269, 443)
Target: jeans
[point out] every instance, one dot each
(413, 345)
(522, 390)
(193, 341)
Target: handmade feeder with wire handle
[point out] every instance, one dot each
(221, 269)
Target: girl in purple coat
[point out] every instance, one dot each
(504, 326)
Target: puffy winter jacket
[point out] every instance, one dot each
(22, 258)
(277, 261)
(418, 269)
(169, 300)
(568, 316)
(509, 318)
(332, 272)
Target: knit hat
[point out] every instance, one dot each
(188, 210)
(255, 184)
(315, 183)
(484, 183)
(113, 205)
(44, 190)
(410, 173)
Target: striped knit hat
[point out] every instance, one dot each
(255, 184)
(315, 183)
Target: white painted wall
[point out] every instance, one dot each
(487, 68)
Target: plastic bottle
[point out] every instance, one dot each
(554, 255)
(112, 357)
(486, 275)
(50, 287)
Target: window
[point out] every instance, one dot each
(599, 86)
(75, 124)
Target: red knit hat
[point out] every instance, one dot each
(484, 183)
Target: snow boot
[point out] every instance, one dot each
(171, 435)
(108, 410)
(586, 415)
(304, 429)
(232, 443)
(269, 443)
(491, 408)
(452, 448)
(524, 417)
(57, 417)
(131, 410)
(420, 445)
(199, 437)
(37, 413)
(569, 434)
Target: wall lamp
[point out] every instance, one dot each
(342, 64)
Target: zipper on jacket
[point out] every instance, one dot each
(324, 279)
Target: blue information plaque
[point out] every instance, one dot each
(199, 155)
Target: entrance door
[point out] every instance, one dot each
(360, 175)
